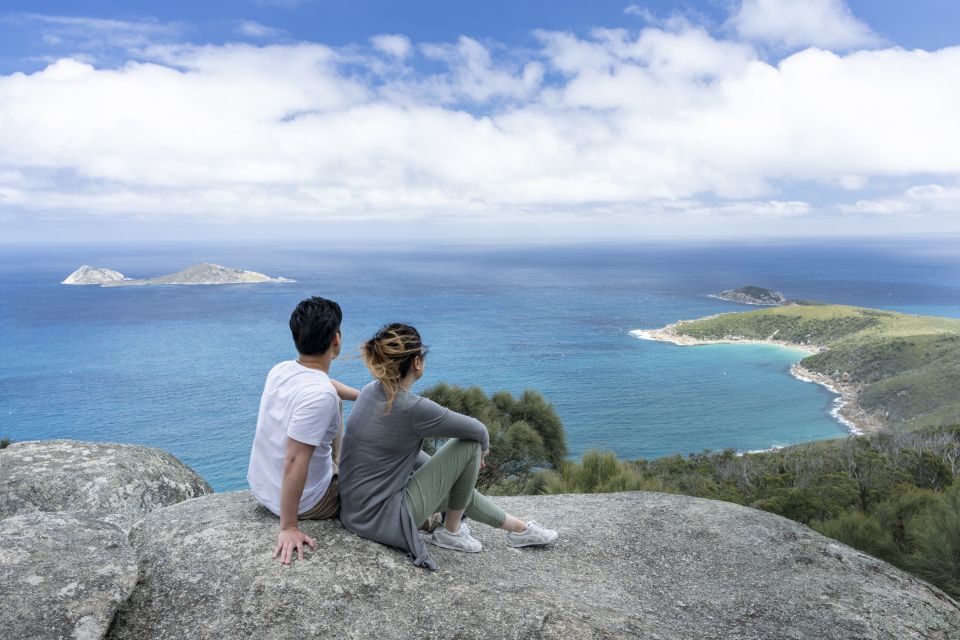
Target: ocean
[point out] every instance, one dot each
(182, 367)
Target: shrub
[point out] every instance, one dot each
(526, 434)
(937, 555)
(860, 531)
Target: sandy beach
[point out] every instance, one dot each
(667, 334)
(847, 410)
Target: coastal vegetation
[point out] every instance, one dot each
(526, 434)
(5, 442)
(905, 369)
(893, 494)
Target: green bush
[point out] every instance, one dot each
(902, 515)
(526, 434)
(860, 531)
(937, 539)
(598, 472)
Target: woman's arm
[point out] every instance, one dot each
(430, 420)
(344, 391)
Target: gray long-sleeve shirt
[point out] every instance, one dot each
(379, 454)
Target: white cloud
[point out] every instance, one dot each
(642, 12)
(917, 200)
(254, 29)
(623, 126)
(92, 34)
(473, 74)
(393, 44)
(795, 24)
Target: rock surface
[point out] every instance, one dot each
(88, 550)
(631, 565)
(116, 481)
(753, 295)
(62, 575)
(93, 275)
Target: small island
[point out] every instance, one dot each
(891, 370)
(199, 274)
(753, 295)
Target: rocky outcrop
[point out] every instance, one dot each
(116, 481)
(631, 565)
(753, 295)
(62, 575)
(66, 564)
(93, 275)
(628, 565)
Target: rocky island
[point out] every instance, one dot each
(198, 274)
(93, 275)
(126, 542)
(891, 369)
(753, 295)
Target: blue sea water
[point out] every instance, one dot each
(182, 367)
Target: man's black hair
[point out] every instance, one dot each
(314, 323)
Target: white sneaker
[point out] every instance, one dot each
(459, 541)
(534, 535)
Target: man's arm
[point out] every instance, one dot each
(344, 391)
(291, 489)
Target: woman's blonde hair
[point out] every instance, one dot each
(389, 355)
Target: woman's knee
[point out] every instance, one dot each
(471, 447)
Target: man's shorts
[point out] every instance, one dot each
(329, 505)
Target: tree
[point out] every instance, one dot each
(526, 434)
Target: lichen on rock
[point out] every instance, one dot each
(122, 481)
(62, 575)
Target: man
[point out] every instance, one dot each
(294, 464)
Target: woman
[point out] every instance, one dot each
(379, 498)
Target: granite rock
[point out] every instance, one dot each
(114, 481)
(62, 575)
(629, 565)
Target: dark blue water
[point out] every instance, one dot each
(182, 367)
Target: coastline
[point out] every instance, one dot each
(846, 410)
(667, 334)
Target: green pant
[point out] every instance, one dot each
(447, 481)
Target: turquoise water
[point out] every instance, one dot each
(182, 367)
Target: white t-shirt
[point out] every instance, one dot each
(300, 403)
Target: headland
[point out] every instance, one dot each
(890, 369)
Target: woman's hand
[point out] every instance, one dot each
(290, 539)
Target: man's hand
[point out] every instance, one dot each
(290, 539)
(483, 459)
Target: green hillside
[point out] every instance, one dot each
(908, 367)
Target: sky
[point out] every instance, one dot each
(255, 120)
